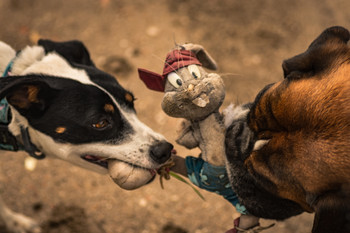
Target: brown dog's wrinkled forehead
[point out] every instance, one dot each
(303, 73)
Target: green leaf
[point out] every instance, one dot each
(176, 176)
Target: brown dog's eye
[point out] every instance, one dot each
(101, 124)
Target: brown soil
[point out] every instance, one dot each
(249, 40)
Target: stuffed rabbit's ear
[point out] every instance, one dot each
(202, 55)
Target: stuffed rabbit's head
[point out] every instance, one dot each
(190, 92)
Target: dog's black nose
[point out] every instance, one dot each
(161, 151)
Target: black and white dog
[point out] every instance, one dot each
(55, 102)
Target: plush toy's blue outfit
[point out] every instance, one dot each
(212, 178)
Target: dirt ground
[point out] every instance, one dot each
(249, 40)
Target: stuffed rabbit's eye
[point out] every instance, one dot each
(194, 71)
(175, 79)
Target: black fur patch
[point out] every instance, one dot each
(70, 104)
(258, 201)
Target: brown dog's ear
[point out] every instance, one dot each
(321, 54)
(202, 55)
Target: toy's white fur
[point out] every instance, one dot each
(232, 113)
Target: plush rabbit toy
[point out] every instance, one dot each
(195, 95)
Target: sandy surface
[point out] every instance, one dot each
(249, 40)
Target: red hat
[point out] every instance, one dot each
(175, 60)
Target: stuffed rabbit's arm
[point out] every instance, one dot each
(185, 135)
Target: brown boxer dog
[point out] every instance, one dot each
(290, 152)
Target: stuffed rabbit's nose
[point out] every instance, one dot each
(190, 87)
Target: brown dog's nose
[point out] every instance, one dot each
(161, 151)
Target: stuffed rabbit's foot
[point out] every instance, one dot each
(253, 229)
(185, 135)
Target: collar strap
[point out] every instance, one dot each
(10, 142)
(8, 69)
(29, 147)
(7, 140)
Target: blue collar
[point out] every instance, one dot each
(7, 140)
(8, 68)
(4, 107)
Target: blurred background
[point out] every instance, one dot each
(248, 39)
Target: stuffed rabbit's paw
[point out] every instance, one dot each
(185, 135)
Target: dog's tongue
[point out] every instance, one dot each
(127, 176)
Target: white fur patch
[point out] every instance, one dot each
(26, 58)
(232, 113)
(6, 55)
(259, 144)
(54, 65)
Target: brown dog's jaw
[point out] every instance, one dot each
(300, 128)
(307, 120)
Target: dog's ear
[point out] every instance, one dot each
(323, 52)
(30, 95)
(202, 55)
(74, 51)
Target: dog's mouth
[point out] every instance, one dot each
(103, 162)
(127, 175)
(100, 161)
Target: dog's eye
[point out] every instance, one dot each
(194, 71)
(101, 124)
(175, 79)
